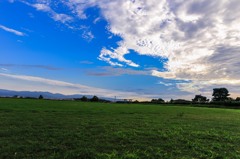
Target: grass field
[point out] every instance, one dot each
(68, 129)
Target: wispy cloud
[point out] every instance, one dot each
(32, 66)
(88, 35)
(86, 62)
(11, 1)
(165, 84)
(116, 71)
(4, 69)
(67, 19)
(10, 30)
(44, 7)
(32, 83)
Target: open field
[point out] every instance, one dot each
(68, 129)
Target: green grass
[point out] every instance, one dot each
(68, 129)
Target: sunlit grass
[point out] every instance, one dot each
(68, 129)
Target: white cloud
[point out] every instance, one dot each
(96, 20)
(12, 30)
(4, 69)
(117, 54)
(41, 7)
(115, 71)
(199, 39)
(166, 75)
(165, 84)
(186, 33)
(88, 35)
(45, 7)
(61, 17)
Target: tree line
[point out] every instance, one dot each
(221, 96)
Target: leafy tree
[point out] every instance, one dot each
(230, 99)
(220, 94)
(136, 101)
(238, 99)
(40, 97)
(159, 100)
(180, 101)
(84, 99)
(200, 99)
(153, 100)
(95, 99)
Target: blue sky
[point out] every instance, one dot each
(124, 48)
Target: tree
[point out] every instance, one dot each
(220, 94)
(136, 101)
(159, 100)
(238, 99)
(84, 99)
(95, 99)
(40, 97)
(200, 99)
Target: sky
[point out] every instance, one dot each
(134, 49)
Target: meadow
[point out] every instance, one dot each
(69, 129)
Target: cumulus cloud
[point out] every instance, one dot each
(12, 30)
(195, 37)
(200, 39)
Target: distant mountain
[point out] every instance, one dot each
(47, 95)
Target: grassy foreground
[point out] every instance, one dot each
(67, 129)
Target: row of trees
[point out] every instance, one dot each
(219, 95)
(93, 99)
(85, 99)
